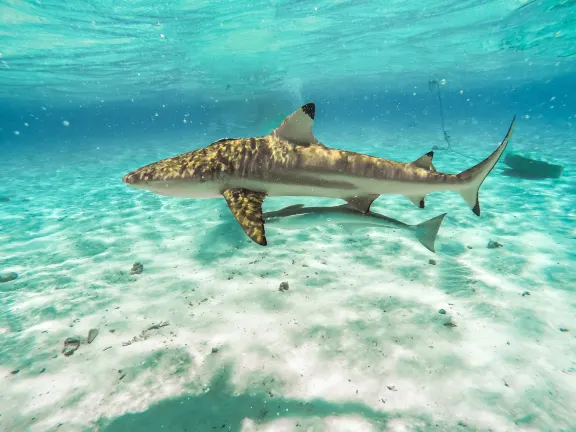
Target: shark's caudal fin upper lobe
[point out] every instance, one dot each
(474, 177)
(426, 231)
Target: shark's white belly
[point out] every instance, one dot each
(341, 186)
(329, 186)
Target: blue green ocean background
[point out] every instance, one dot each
(375, 333)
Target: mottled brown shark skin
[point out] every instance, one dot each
(290, 161)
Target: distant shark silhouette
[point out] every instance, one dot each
(299, 216)
(290, 161)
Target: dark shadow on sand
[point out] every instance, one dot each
(524, 175)
(220, 409)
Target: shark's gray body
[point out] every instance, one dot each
(290, 161)
(298, 217)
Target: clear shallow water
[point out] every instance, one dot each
(357, 342)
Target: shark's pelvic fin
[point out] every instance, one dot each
(425, 162)
(474, 177)
(417, 200)
(297, 127)
(361, 203)
(246, 206)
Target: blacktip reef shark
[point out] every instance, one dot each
(290, 161)
(298, 216)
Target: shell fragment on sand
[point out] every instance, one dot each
(92, 335)
(8, 277)
(71, 344)
(137, 268)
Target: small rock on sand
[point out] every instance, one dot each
(494, 244)
(8, 277)
(71, 344)
(137, 268)
(432, 262)
(442, 311)
(284, 286)
(563, 330)
(92, 335)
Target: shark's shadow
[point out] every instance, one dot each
(220, 409)
(509, 172)
(222, 240)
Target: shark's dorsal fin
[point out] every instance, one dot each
(425, 162)
(246, 206)
(361, 203)
(297, 127)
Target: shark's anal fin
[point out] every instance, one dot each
(297, 127)
(425, 162)
(417, 200)
(361, 203)
(246, 206)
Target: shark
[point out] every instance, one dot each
(291, 161)
(298, 216)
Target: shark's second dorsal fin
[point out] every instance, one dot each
(425, 162)
(297, 127)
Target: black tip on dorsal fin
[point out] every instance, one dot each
(309, 109)
(297, 127)
(430, 154)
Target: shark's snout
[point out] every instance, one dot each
(130, 178)
(136, 178)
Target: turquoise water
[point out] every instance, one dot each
(376, 332)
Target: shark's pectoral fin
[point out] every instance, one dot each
(425, 162)
(297, 127)
(246, 206)
(417, 200)
(361, 203)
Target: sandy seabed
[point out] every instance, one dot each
(203, 338)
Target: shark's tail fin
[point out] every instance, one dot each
(473, 177)
(426, 231)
